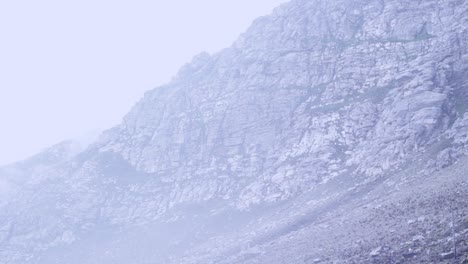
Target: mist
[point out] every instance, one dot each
(70, 69)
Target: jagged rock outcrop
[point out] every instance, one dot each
(316, 90)
(319, 102)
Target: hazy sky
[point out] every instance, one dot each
(70, 67)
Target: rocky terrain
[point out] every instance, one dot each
(330, 132)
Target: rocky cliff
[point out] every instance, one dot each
(328, 132)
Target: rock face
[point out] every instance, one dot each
(325, 115)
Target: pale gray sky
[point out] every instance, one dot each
(69, 67)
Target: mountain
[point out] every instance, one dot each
(332, 131)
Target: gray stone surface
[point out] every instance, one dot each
(252, 150)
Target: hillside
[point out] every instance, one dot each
(329, 132)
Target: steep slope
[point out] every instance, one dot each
(317, 90)
(325, 113)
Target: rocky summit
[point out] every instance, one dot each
(331, 131)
